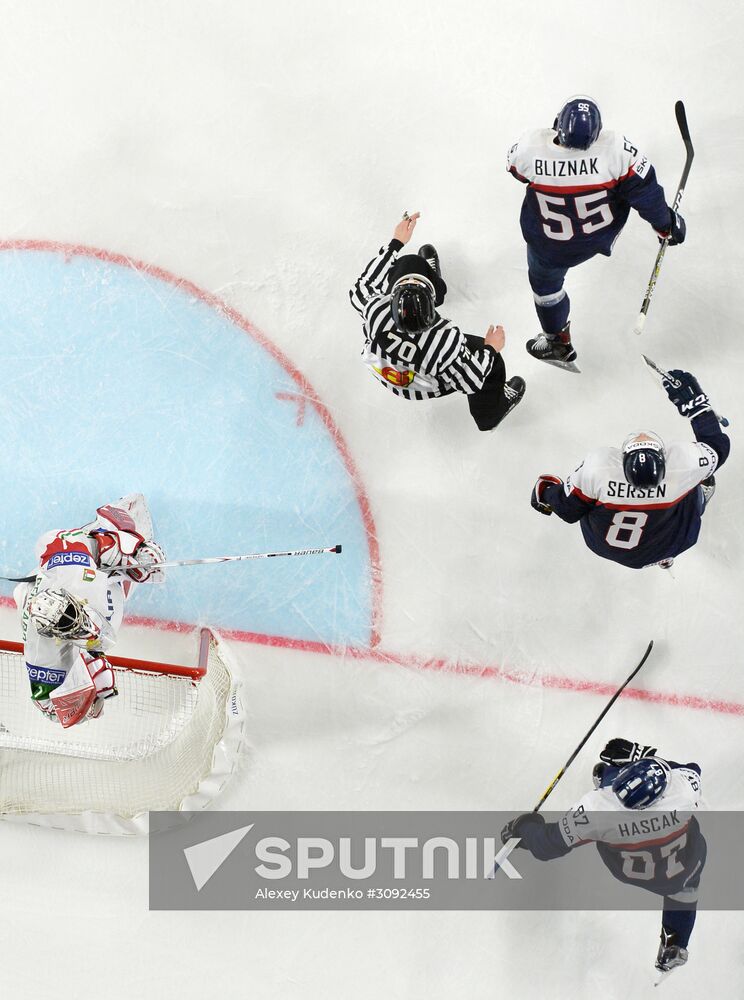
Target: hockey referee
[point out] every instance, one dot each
(416, 353)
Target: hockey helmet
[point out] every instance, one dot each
(644, 459)
(578, 123)
(58, 614)
(641, 784)
(413, 303)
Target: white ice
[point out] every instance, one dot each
(264, 152)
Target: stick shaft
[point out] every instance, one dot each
(222, 559)
(196, 562)
(679, 110)
(601, 716)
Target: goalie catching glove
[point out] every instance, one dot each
(686, 395)
(538, 490)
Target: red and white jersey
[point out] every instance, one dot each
(67, 560)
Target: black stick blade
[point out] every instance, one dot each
(681, 115)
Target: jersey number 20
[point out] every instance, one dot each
(626, 529)
(559, 226)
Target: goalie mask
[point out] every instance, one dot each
(60, 615)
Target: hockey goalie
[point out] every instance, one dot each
(71, 612)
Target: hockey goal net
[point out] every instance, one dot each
(170, 740)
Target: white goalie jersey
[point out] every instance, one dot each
(72, 611)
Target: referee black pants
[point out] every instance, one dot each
(488, 406)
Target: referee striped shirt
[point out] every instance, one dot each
(419, 366)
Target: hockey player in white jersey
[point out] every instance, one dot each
(642, 504)
(640, 817)
(582, 181)
(71, 611)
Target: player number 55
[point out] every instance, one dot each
(592, 207)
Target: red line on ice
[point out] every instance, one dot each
(490, 671)
(308, 393)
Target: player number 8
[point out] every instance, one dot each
(626, 529)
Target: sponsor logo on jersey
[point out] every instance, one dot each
(395, 377)
(566, 168)
(45, 675)
(68, 558)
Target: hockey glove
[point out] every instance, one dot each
(676, 231)
(515, 827)
(620, 752)
(537, 493)
(686, 394)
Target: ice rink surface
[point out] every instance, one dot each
(187, 193)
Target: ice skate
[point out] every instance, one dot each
(553, 351)
(514, 390)
(430, 255)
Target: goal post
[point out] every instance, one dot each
(170, 740)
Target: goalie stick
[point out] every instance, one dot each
(197, 562)
(679, 111)
(676, 383)
(581, 745)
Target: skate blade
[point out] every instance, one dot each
(663, 976)
(567, 366)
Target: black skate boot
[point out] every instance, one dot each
(430, 255)
(670, 955)
(555, 349)
(708, 486)
(514, 389)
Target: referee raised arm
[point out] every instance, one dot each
(416, 353)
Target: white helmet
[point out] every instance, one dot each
(60, 615)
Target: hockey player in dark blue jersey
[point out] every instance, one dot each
(640, 817)
(582, 182)
(642, 505)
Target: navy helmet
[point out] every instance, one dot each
(578, 123)
(641, 784)
(413, 304)
(644, 460)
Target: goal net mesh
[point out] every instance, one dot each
(150, 750)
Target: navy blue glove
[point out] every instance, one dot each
(536, 500)
(686, 394)
(515, 827)
(675, 232)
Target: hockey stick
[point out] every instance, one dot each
(222, 559)
(196, 562)
(676, 384)
(581, 745)
(679, 111)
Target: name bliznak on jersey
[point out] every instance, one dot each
(566, 168)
